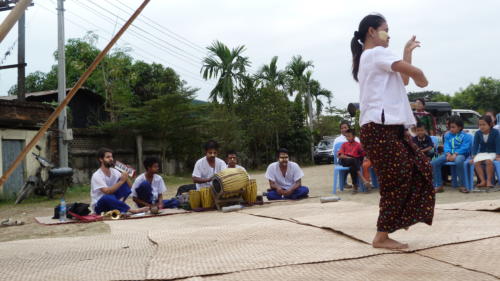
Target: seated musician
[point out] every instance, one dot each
(109, 187)
(206, 167)
(232, 160)
(285, 179)
(148, 187)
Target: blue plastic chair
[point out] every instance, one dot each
(470, 170)
(339, 171)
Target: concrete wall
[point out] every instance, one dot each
(26, 135)
(86, 143)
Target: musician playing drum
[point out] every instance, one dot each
(285, 179)
(206, 167)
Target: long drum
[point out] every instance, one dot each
(230, 180)
(250, 194)
(207, 200)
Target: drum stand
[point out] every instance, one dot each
(227, 198)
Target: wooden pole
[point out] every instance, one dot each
(70, 95)
(13, 17)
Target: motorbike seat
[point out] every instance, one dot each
(64, 171)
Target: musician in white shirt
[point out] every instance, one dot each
(206, 167)
(110, 188)
(285, 179)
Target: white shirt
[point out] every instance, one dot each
(158, 185)
(203, 170)
(342, 138)
(292, 175)
(100, 180)
(382, 89)
(239, 167)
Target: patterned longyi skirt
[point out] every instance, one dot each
(404, 175)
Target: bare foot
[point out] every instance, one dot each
(389, 243)
(481, 184)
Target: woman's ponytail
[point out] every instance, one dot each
(374, 21)
(356, 49)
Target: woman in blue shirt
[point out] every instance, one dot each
(485, 150)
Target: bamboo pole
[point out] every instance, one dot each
(70, 95)
(13, 17)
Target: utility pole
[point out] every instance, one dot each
(21, 69)
(18, 13)
(61, 86)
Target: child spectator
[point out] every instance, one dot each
(456, 149)
(351, 155)
(423, 141)
(485, 150)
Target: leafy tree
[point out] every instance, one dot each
(426, 95)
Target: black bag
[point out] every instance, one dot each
(185, 188)
(81, 209)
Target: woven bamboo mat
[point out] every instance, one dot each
(397, 267)
(482, 255)
(448, 227)
(485, 205)
(359, 221)
(104, 257)
(293, 210)
(221, 245)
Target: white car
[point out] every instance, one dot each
(470, 118)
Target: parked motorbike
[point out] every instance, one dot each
(58, 181)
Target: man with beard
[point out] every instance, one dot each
(109, 187)
(206, 167)
(285, 179)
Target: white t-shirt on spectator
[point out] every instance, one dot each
(342, 138)
(100, 180)
(382, 89)
(292, 175)
(158, 185)
(203, 170)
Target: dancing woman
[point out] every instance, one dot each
(405, 175)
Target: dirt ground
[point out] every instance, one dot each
(319, 179)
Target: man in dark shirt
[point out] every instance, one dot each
(423, 141)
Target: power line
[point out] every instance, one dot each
(152, 58)
(165, 30)
(163, 27)
(178, 51)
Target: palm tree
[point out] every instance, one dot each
(270, 75)
(229, 66)
(295, 71)
(299, 75)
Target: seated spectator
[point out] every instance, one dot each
(423, 141)
(351, 155)
(485, 150)
(456, 149)
(344, 126)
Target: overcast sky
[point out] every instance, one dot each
(460, 39)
